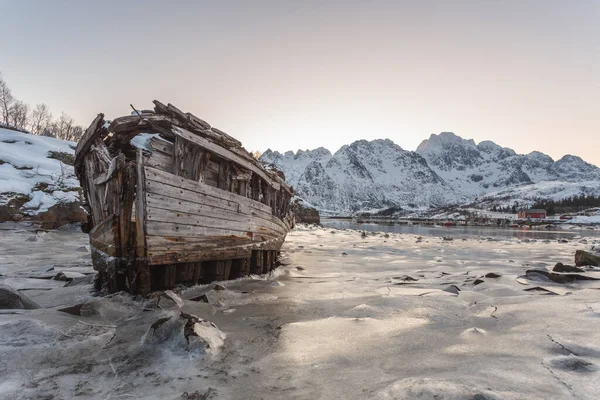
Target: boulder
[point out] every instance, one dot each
(405, 278)
(10, 299)
(560, 267)
(60, 277)
(203, 298)
(584, 258)
(61, 214)
(304, 212)
(492, 275)
(452, 289)
(536, 274)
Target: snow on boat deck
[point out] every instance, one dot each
(349, 317)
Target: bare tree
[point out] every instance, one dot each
(40, 119)
(19, 115)
(64, 128)
(6, 101)
(77, 133)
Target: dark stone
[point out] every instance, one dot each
(558, 278)
(10, 299)
(302, 268)
(304, 213)
(202, 298)
(406, 278)
(61, 214)
(478, 281)
(344, 254)
(448, 238)
(560, 267)
(452, 289)
(60, 277)
(492, 275)
(219, 287)
(584, 258)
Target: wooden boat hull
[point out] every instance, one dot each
(188, 209)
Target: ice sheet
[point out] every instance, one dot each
(346, 323)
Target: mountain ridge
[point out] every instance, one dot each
(444, 169)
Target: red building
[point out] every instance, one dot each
(532, 213)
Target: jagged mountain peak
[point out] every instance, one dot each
(538, 155)
(443, 140)
(574, 168)
(495, 151)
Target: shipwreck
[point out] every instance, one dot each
(173, 200)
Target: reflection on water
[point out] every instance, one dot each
(459, 231)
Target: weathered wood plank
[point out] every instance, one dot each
(256, 265)
(189, 159)
(162, 146)
(214, 218)
(170, 229)
(182, 185)
(219, 253)
(197, 272)
(92, 133)
(222, 254)
(225, 176)
(176, 194)
(183, 243)
(143, 283)
(220, 132)
(200, 122)
(160, 161)
(105, 235)
(159, 182)
(96, 163)
(177, 218)
(203, 204)
(225, 153)
(238, 268)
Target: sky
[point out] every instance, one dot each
(291, 75)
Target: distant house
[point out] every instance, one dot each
(532, 213)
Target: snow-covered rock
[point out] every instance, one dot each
(36, 173)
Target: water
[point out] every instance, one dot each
(461, 231)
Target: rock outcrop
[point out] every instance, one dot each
(10, 299)
(61, 214)
(305, 213)
(583, 258)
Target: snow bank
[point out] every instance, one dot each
(27, 169)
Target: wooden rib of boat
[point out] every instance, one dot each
(173, 200)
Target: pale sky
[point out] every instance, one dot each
(303, 74)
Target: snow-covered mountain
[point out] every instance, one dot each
(360, 176)
(445, 169)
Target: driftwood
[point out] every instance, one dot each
(193, 206)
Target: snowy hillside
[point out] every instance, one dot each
(36, 172)
(445, 169)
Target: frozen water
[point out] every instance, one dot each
(338, 326)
